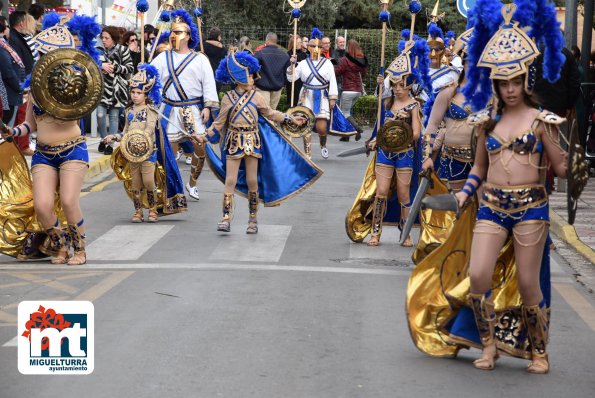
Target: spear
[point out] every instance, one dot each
(142, 6)
(168, 6)
(384, 17)
(198, 14)
(295, 16)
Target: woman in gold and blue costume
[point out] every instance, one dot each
(453, 142)
(256, 159)
(145, 160)
(501, 301)
(390, 182)
(64, 86)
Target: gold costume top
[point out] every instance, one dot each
(238, 122)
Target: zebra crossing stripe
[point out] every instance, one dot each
(266, 246)
(126, 242)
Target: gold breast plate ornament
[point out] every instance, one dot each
(395, 136)
(295, 131)
(138, 145)
(67, 84)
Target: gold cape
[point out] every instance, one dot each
(358, 221)
(437, 297)
(21, 231)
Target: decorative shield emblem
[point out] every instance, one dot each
(296, 3)
(395, 136)
(67, 84)
(299, 131)
(577, 172)
(137, 145)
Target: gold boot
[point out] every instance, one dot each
(485, 319)
(225, 223)
(151, 195)
(253, 208)
(54, 244)
(378, 215)
(78, 244)
(536, 321)
(137, 217)
(308, 145)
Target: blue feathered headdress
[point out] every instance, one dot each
(182, 16)
(147, 80)
(50, 19)
(236, 68)
(87, 29)
(316, 34)
(450, 35)
(539, 16)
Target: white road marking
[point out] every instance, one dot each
(12, 342)
(266, 246)
(126, 242)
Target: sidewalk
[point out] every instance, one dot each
(581, 235)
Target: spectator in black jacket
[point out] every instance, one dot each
(274, 62)
(214, 50)
(17, 41)
(13, 74)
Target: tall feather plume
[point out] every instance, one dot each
(316, 33)
(87, 29)
(486, 18)
(547, 34)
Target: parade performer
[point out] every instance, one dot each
(501, 301)
(257, 160)
(319, 91)
(189, 91)
(396, 162)
(146, 151)
(453, 142)
(64, 87)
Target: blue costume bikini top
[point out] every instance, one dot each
(527, 142)
(456, 112)
(404, 114)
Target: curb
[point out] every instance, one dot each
(567, 233)
(98, 166)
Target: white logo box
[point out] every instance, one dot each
(78, 360)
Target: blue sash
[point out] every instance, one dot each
(317, 90)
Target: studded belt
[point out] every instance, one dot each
(52, 149)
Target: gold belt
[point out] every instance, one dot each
(244, 138)
(513, 199)
(57, 148)
(459, 152)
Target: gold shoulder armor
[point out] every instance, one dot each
(550, 118)
(478, 118)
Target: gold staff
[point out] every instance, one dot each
(295, 16)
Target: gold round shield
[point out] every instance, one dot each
(137, 145)
(299, 131)
(67, 83)
(395, 136)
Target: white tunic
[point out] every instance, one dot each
(327, 72)
(197, 80)
(441, 78)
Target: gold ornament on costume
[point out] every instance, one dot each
(67, 84)
(52, 38)
(401, 67)
(510, 51)
(138, 145)
(178, 24)
(577, 172)
(140, 81)
(462, 43)
(296, 131)
(435, 16)
(395, 136)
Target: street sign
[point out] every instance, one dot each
(464, 6)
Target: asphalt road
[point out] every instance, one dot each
(295, 311)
